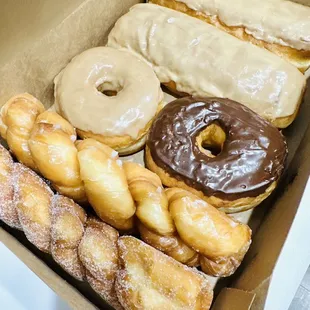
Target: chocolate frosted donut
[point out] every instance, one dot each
(218, 149)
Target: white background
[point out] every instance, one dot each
(21, 289)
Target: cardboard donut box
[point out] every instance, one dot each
(38, 38)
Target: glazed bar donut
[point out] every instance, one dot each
(109, 95)
(284, 30)
(248, 152)
(193, 57)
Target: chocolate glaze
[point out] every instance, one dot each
(253, 155)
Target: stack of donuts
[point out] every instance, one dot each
(205, 155)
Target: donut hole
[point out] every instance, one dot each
(109, 88)
(211, 140)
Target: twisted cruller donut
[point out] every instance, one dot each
(16, 122)
(202, 236)
(173, 220)
(48, 145)
(126, 272)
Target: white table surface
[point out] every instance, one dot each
(21, 289)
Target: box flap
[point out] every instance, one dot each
(273, 235)
(233, 299)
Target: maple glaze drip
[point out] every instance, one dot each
(252, 156)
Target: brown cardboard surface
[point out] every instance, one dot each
(233, 299)
(37, 48)
(265, 250)
(36, 64)
(20, 21)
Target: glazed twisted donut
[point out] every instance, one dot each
(173, 220)
(126, 272)
(17, 119)
(185, 227)
(203, 235)
(46, 142)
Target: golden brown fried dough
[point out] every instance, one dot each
(17, 118)
(68, 220)
(99, 254)
(212, 233)
(33, 203)
(172, 245)
(148, 194)
(105, 184)
(52, 147)
(8, 212)
(148, 279)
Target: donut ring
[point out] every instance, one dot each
(109, 95)
(251, 152)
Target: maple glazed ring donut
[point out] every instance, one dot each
(218, 149)
(109, 95)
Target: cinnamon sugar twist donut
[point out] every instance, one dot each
(32, 199)
(68, 221)
(101, 261)
(150, 280)
(124, 271)
(170, 220)
(8, 212)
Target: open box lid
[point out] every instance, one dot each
(273, 267)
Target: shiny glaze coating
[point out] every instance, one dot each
(251, 159)
(79, 97)
(285, 22)
(205, 61)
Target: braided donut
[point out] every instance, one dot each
(92, 250)
(32, 198)
(204, 235)
(8, 212)
(68, 222)
(172, 245)
(54, 152)
(101, 260)
(151, 201)
(17, 118)
(105, 184)
(52, 148)
(221, 241)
